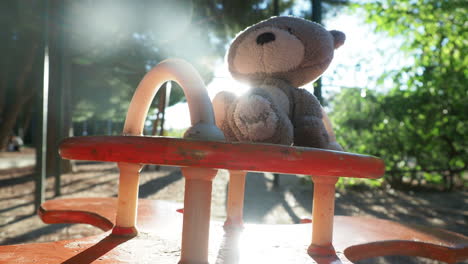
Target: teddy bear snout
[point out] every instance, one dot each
(265, 38)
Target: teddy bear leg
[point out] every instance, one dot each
(309, 131)
(255, 118)
(333, 145)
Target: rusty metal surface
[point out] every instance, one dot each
(160, 227)
(222, 155)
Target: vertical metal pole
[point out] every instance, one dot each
(323, 211)
(57, 14)
(317, 11)
(41, 138)
(197, 208)
(127, 206)
(317, 17)
(275, 13)
(276, 7)
(235, 203)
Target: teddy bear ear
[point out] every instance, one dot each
(338, 38)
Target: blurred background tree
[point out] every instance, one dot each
(20, 45)
(420, 126)
(101, 49)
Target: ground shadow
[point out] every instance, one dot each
(14, 207)
(424, 209)
(16, 180)
(259, 190)
(87, 178)
(17, 219)
(155, 185)
(48, 229)
(90, 186)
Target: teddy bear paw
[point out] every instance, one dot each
(255, 118)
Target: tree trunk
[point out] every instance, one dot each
(3, 89)
(59, 70)
(450, 180)
(28, 114)
(9, 122)
(21, 97)
(5, 63)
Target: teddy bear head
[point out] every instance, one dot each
(288, 48)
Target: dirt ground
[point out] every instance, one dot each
(288, 203)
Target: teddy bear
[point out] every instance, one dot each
(275, 57)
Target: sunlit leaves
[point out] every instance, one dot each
(420, 127)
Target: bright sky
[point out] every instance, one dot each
(358, 63)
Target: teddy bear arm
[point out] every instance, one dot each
(306, 104)
(311, 121)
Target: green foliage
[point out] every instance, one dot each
(420, 127)
(344, 183)
(176, 133)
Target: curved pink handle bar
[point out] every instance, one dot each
(201, 110)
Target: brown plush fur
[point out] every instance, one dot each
(275, 57)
